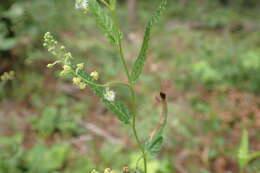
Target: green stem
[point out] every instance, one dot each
(134, 128)
(122, 59)
(133, 94)
(120, 48)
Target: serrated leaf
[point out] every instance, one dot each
(118, 108)
(105, 22)
(139, 63)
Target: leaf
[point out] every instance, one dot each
(244, 146)
(46, 159)
(155, 146)
(243, 156)
(118, 108)
(7, 43)
(48, 122)
(105, 22)
(254, 156)
(139, 63)
(243, 153)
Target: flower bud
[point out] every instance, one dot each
(68, 55)
(50, 65)
(62, 48)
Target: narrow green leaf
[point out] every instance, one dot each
(243, 155)
(244, 146)
(105, 22)
(118, 108)
(139, 63)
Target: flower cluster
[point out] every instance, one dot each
(65, 59)
(50, 43)
(7, 76)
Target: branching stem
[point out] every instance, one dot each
(133, 95)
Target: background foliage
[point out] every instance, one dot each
(204, 54)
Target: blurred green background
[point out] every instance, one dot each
(205, 54)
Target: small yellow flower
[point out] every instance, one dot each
(68, 55)
(107, 170)
(8, 76)
(67, 68)
(82, 85)
(94, 171)
(80, 66)
(95, 75)
(76, 81)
